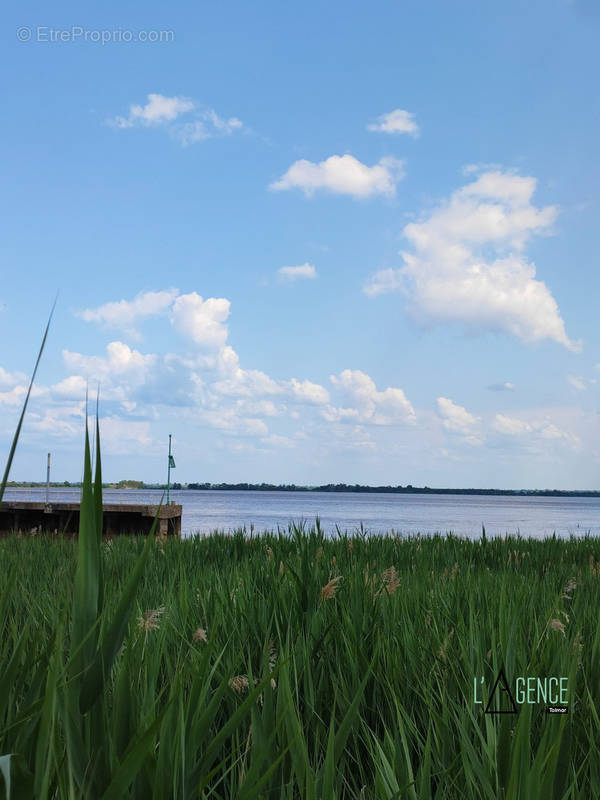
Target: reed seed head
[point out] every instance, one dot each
(150, 621)
(239, 684)
(445, 645)
(200, 635)
(390, 579)
(330, 588)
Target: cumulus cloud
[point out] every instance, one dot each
(121, 436)
(124, 314)
(13, 397)
(506, 386)
(229, 420)
(202, 321)
(458, 420)
(120, 359)
(510, 426)
(290, 274)
(308, 392)
(576, 382)
(385, 280)
(158, 110)
(73, 387)
(276, 441)
(208, 125)
(210, 380)
(238, 382)
(342, 175)
(166, 111)
(534, 429)
(467, 263)
(59, 421)
(397, 121)
(253, 407)
(366, 403)
(9, 379)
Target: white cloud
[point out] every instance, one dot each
(257, 407)
(308, 392)
(59, 422)
(73, 387)
(342, 175)
(124, 436)
(388, 407)
(157, 111)
(276, 441)
(576, 382)
(397, 121)
(458, 420)
(506, 386)
(352, 438)
(125, 313)
(229, 421)
(166, 111)
(207, 126)
(509, 426)
(14, 397)
(383, 281)
(9, 379)
(202, 321)
(120, 360)
(535, 429)
(238, 382)
(467, 263)
(290, 274)
(551, 431)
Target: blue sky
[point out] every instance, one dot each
(314, 243)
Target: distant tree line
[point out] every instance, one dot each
(326, 487)
(408, 489)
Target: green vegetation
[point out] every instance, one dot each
(327, 487)
(130, 485)
(360, 488)
(300, 666)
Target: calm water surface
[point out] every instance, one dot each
(206, 511)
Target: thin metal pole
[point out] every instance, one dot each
(48, 481)
(169, 473)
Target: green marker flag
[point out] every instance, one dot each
(171, 464)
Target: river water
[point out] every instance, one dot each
(206, 511)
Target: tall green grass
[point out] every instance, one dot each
(247, 670)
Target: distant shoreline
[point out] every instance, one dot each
(330, 487)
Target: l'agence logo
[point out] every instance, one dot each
(530, 690)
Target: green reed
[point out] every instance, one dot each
(294, 665)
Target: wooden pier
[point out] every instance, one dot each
(56, 518)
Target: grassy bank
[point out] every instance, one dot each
(298, 666)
